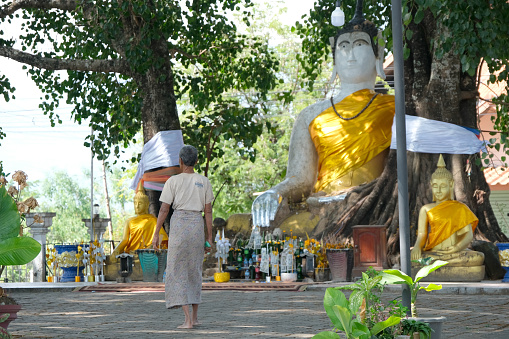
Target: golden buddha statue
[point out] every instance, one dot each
(446, 228)
(139, 230)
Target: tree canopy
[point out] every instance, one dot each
(127, 62)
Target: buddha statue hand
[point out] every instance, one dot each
(416, 253)
(265, 207)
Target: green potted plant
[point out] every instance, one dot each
(15, 248)
(415, 329)
(363, 315)
(343, 315)
(394, 276)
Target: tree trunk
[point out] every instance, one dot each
(433, 90)
(159, 111)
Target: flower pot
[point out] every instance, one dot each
(435, 323)
(340, 264)
(12, 310)
(288, 277)
(322, 274)
(69, 271)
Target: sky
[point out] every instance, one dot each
(35, 147)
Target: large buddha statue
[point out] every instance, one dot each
(341, 142)
(139, 230)
(446, 228)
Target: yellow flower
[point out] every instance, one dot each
(37, 219)
(3, 181)
(31, 203)
(20, 177)
(22, 186)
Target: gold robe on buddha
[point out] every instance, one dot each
(447, 218)
(346, 145)
(141, 232)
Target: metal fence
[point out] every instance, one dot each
(22, 273)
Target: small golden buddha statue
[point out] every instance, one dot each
(139, 230)
(446, 226)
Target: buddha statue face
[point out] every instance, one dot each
(442, 189)
(355, 59)
(141, 204)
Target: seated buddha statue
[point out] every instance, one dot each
(446, 226)
(343, 141)
(139, 230)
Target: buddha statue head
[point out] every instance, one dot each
(442, 182)
(356, 53)
(141, 201)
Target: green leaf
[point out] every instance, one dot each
(356, 298)
(419, 16)
(345, 317)
(431, 287)
(326, 335)
(18, 251)
(9, 216)
(426, 270)
(332, 298)
(409, 34)
(4, 317)
(359, 330)
(395, 277)
(391, 321)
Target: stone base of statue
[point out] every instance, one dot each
(111, 269)
(464, 266)
(454, 274)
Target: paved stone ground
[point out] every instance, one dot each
(230, 314)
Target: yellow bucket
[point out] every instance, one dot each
(222, 277)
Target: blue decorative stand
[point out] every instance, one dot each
(69, 272)
(502, 247)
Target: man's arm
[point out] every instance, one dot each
(163, 213)
(208, 221)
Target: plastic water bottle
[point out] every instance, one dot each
(246, 274)
(164, 276)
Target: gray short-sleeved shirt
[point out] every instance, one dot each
(187, 191)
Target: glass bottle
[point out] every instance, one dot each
(299, 272)
(239, 259)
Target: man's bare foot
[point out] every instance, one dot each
(186, 326)
(196, 323)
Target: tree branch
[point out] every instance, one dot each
(66, 5)
(106, 66)
(495, 102)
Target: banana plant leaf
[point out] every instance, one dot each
(18, 251)
(9, 216)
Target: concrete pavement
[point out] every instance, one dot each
(474, 310)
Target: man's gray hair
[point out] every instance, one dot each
(189, 155)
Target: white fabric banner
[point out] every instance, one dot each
(432, 136)
(161, 151)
